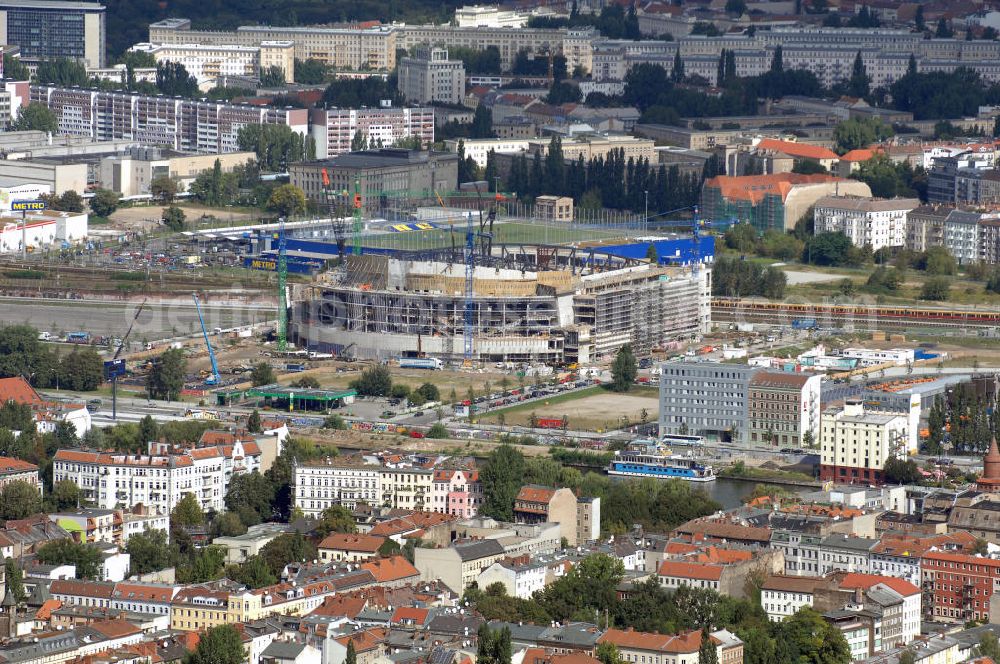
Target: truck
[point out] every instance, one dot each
(295, 367)
(78, 337)
(420, 363)
(804, 324)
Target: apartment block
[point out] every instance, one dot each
(111, 480)
(181, 124)
(333, 129)
(705, 398)
(50, 29)
(542, 504)
(865, 221)
(342, 48)
(508, 41)
(855, 442)
(958, 587)
(430, 76)
(925, 226)
(16, 470)
(207, 62)
(784, 407)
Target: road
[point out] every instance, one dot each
(132, 409)
(112, 318)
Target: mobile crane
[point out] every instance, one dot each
(215, 378)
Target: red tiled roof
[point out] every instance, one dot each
(865, 581)
(352, 542)
(700, 571)
(18, 390)
(753, 188)
(12, 465)
(794, 149)
(409, 614)
(142, 592)
(45, 611)
(534, 493)
(81, 588)
(685, 642)
(364, 640)
(340, 605)
(114, 629)
(863, 154)
(390, 569)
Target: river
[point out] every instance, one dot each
(726, 491)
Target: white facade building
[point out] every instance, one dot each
(158, 481)
(519, 580)
(865, 221)
(328, 482)
(855, 443)
(479, 148)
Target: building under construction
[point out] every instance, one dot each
(529, 302)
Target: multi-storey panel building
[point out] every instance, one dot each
(333, 129)
(876, 223)
(705, 398)
(50, 29)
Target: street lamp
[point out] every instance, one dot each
(645, 218)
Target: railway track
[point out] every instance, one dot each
(855, 316)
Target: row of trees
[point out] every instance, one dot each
(654, 504)
(733, 277)
(22, 354)
(966, 417)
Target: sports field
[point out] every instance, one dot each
(592, 409)
(513, 232)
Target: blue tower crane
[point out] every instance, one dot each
(470, 269)
(215, 378)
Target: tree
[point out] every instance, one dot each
(163, 188)
(352, 654)
(501, 477)
(262, 374)
(938, 261)
(252, 573)
(62, 72)
(86, 558)
(677, 71)
(359, 141)
(104, 202)
(778, 61)
(607, 653)
(989, 646)
(219, 645)
(375, 381)
(918, 19)
(187, 512)
(14, 69)
(254, 423)
(336, 519)
(250, 492)
(935, 289)
(564, 92)
(860, 133)
(860, 83)
(900, 471)
(828, 249)
(287, 200)
(148, 551)
(272, 77)
(81, 370)
(174, 218)
(943, 30)
(437, 430)
(624, 369)
(19, 500)
(808, 167)
(589, 587)
(287, 548)
(737, 7)
(15, 580)
(173, 80)
(70, 201)
(276, 146)
(36, 117)
(166, 377)
(310, 71)
(707, 652)
(806, 637)
(66, 494)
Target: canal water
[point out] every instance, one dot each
(730, 492)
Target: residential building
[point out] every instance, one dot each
(989, 241)
(456, 492)
(458, 565)
(840, 551)
(942, 177)
(925, 227)
(594, 146)
(16, 470)
(541, 504)
(508, 41)
(896, 600)
(588, 518)
(340, 48)
(89, 525)
(784, 408)
(771, 202)
(406, 487)
(865, 221)
(349, 547)
(430, 77)
(143, 597)
(638, 647)
(131, 172)
(483, 16)
(187, 125)
(335, 129)
(51, 29)
(110, 480)
(379, 172)
(209, 62)
(855, 443)
(705, 398)
(521, 578)
(332, 481)
(961, 236)
(958, 587)
(781, 596)
(478, 149)
(197, 608)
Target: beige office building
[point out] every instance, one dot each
(430, 77)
